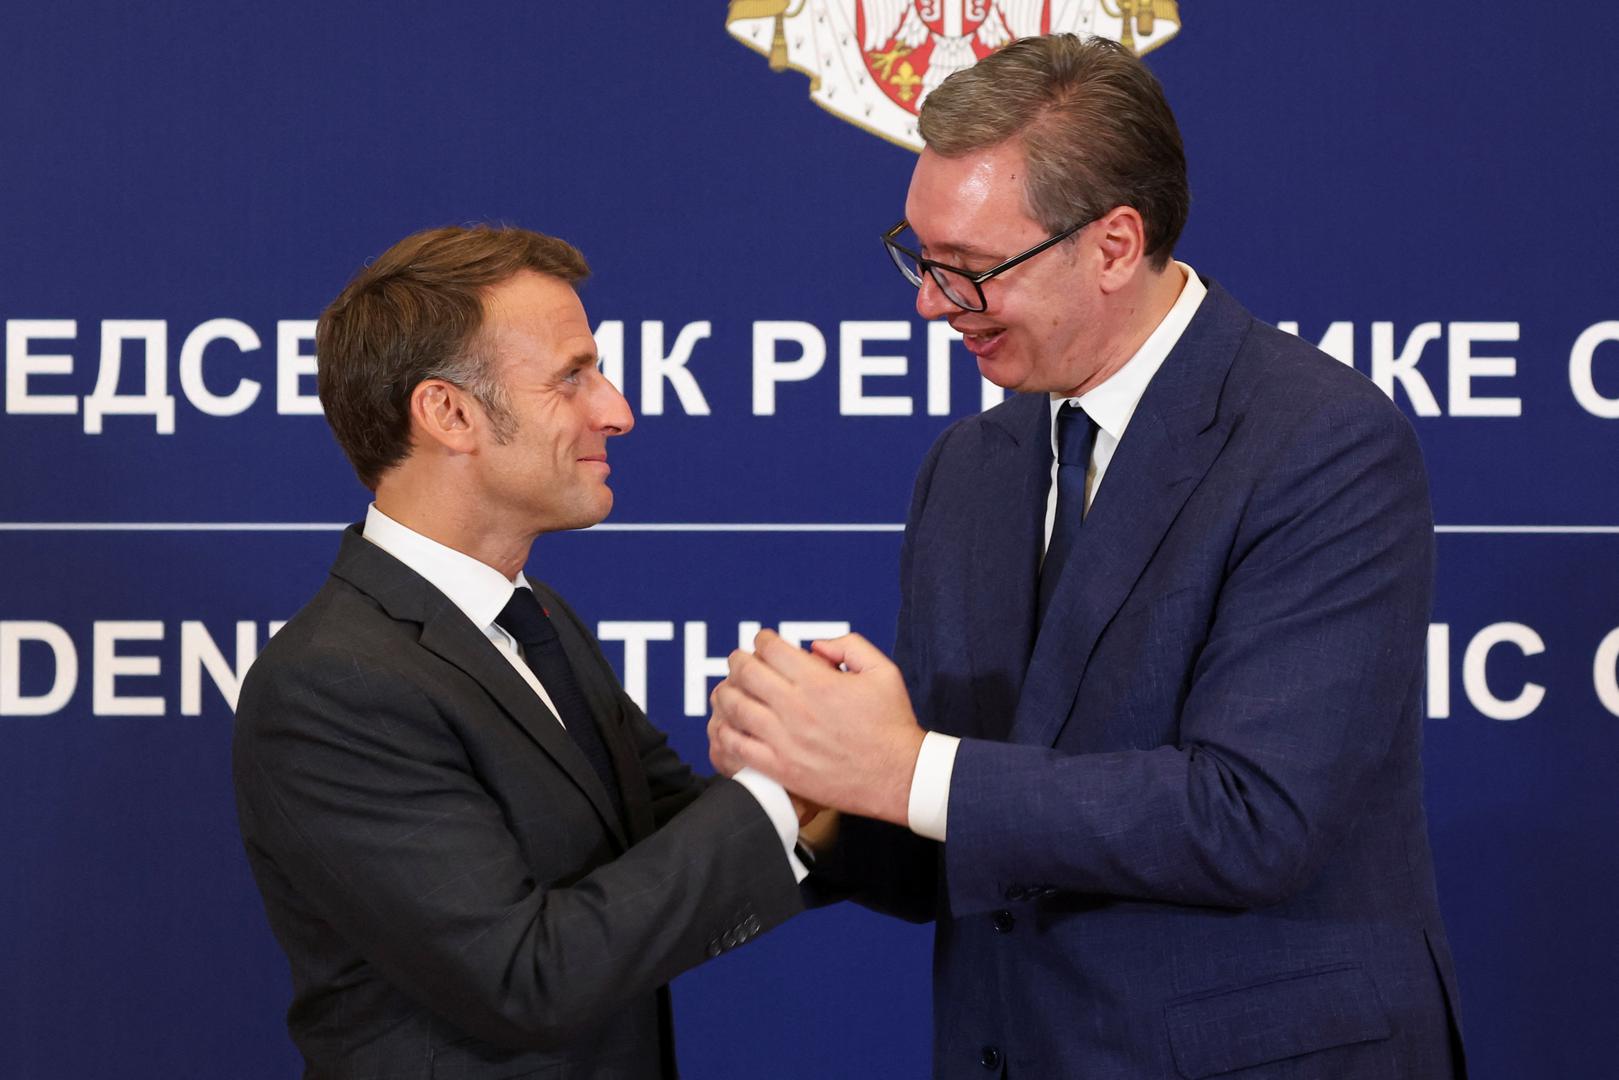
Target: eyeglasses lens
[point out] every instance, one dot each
(958, 289)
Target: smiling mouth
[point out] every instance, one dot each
(982, 342)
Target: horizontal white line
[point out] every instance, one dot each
(661, 527)
(325, 526)
(748, 527)
(170, 526)
(1560, 530)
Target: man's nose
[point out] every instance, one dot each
(612, 412)
(931, 303)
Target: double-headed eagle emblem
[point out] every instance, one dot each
(872, 62)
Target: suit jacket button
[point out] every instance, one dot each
(1004, 922)
(989, 1058)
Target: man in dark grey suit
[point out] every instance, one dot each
(479, 856)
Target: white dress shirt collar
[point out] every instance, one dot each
(478, 589)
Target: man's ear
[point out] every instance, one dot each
(442, 414)
(1123, 243)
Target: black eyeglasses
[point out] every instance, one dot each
(963, 288)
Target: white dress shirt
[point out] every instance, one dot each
(1110, 404)
(481, 592)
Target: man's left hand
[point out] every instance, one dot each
(846, 739)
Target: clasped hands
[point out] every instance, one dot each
(832, 724)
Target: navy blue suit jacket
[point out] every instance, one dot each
(1186, 834)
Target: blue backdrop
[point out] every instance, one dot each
(1430, 190)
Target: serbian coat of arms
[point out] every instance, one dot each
(872, 62)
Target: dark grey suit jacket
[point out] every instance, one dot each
(441, 864)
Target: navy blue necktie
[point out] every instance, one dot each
(1076, 431)
(525, 620)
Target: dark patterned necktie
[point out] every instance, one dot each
(1076, 431)
(525, 620)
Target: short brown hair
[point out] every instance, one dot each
(414, 314)
(1095, 128)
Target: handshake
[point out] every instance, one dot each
(832, 724)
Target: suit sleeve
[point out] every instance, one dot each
(351, 783)
(1308, 672)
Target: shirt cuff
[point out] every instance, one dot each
(929, 808)
(773, 798)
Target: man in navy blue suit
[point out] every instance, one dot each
(1149, 749)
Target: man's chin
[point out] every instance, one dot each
(581, 517)
(597, 513)
(1002, 374)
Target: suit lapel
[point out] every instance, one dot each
(1011, 487)
(1173, 439)
(447, 633)
(452, 637)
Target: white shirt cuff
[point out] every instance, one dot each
(773, 797)
(929, 809)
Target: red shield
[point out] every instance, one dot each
(899, 68)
